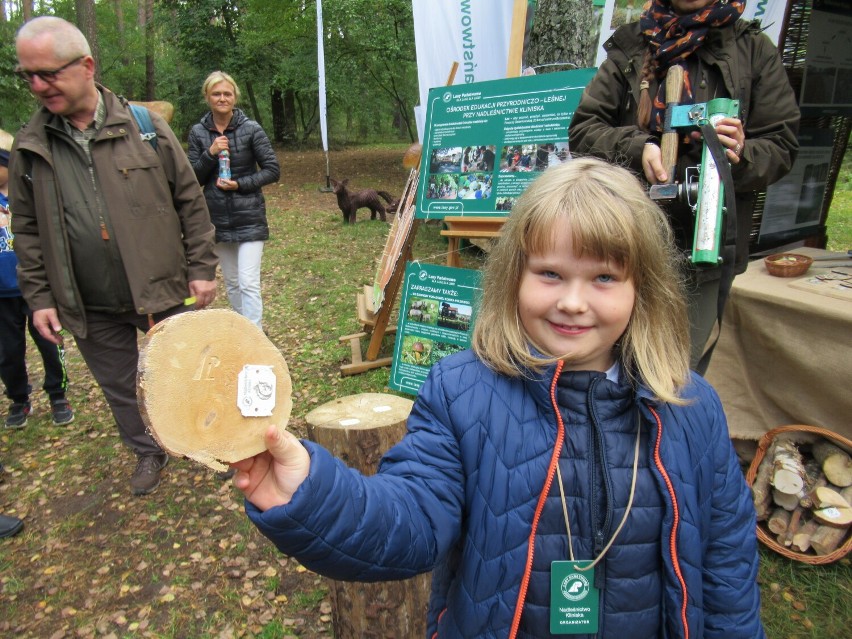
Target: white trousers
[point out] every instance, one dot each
(240, 262)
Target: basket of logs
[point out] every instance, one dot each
(801, 482)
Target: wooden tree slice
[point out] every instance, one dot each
(835, 462)
(188, 385)
(789, 471)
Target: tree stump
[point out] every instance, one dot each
(359, 429)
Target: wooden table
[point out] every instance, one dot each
(784, 355)
(468, 227)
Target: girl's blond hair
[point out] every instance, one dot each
(611, 218)
(215, 78)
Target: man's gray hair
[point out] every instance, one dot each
(68, 41)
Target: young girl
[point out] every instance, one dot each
(566, 475)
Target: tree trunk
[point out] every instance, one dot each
(146, 21)
(118, 8)
(253, 102)
(289, 122)
(276, 104)
(359, 429)
(564, 32)
(86, 23)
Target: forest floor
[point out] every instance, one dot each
(183, 562)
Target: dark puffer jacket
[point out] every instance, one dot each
(239, 216)
(471, 493)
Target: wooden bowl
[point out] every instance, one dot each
(788, 264)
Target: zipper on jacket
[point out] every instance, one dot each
(597, 457)
(658, 461)
(104, 232)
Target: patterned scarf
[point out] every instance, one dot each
(672, 38)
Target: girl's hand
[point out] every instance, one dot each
(219, 144)
(272, 477)
(227, 185)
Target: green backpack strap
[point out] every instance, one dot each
(146, 126)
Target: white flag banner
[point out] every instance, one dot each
(618, 12)
(321, 70)
(474, 33)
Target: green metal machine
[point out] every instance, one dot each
(709, 208)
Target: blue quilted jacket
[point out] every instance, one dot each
(471, 494)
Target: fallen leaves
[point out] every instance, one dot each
(93, 561)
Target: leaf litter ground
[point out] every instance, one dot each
(93, 561)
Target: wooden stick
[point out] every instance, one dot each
(760, 488)
(668, 142)
(516, 39)
(793, 526)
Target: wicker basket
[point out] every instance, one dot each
(806, 434)
(788, 264)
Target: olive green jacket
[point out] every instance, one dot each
(158, 217)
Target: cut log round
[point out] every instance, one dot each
(827, 539)
(836, 463)
(802, 538)
(209, 385)
(835, 516)
(787, 502)
(788, 474)
(778, 521)
(823, 497)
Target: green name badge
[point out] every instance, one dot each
(574, 600)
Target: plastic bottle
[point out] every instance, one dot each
(224, 165)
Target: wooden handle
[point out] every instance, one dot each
(668, 142)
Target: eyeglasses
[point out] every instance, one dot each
(46, 76)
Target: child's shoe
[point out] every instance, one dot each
(62, 413)
(18, 413)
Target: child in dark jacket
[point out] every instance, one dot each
(15, 318)
(568, 475)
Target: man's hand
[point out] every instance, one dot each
(272, 477)
(204, 292)
(47, 323)
(652, 164)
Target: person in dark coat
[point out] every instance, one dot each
(571, 446)
(236, 203)
(621, 115)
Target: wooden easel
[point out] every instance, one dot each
(374, 321)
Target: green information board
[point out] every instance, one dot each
(485, 142)
(436, 314)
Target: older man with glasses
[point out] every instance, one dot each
(112, 233)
